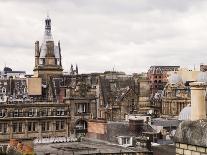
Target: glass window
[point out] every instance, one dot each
(14, 127)
(43, 126)
(125, 140)
(32, 126)
(81, 108)
(48, 125)
(20, 127)
(1, 127)
(57, 125)
(62, 125)
(4, 127)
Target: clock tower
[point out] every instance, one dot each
(48, 60)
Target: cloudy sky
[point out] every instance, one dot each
(99, 35)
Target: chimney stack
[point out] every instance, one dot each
(198, 105)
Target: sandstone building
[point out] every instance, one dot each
(176, 94)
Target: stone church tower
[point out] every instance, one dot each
(47, 56)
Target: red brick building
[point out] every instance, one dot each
(158, 77)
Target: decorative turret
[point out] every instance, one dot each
(60, 56)
(73, 71)
(76, 69)
(37, 53)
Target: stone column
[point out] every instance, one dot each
(198, 106)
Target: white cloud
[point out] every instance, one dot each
(102, 34)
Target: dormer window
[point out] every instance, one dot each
(125, 141)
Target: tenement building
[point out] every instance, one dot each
(29, 120)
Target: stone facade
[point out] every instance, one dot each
(175, 98)
(81, 96)
(29, 120)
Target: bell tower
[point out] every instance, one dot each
(47, 56)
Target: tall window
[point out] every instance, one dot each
(3, 127)
(1, 113)
(57, 125)
(20, 127)
(60, 125)
(14, 127)
(32, 126)
(81, 107)
(45, 126)
(48, 126)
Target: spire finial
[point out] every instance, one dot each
(48, 27)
